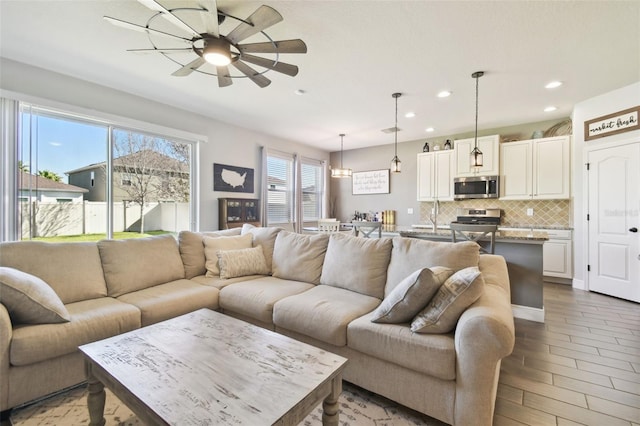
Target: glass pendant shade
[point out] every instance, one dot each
(396, 165)
(475, 158)
(341, 172)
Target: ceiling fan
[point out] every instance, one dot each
(212, 47)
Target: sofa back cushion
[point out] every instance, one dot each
(135, 264)
(410, 254)
(357, 264)
(299, 257)
(212, 245)
(192, 250)
(73, 270)
(264, 237)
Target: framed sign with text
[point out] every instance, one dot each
(611, 124)
(370, 182)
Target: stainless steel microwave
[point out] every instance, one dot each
(476, 187)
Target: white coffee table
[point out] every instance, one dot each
(207, 368)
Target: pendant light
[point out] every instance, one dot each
(341, 172)
(475, 157)
(395, 162)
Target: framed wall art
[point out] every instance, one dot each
(370, 182)
(612, 124)
(232, 178)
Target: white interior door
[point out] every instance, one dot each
(614, 204)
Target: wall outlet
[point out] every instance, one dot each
(409, 210)
(529, 212)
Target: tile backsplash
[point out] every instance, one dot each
(546, 213)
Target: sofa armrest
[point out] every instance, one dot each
(484, 335)
(6, 333)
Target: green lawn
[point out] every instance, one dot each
(96, 237)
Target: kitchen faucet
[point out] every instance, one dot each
(433, 217)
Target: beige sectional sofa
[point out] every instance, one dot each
(321, 289)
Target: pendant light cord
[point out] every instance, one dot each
(341, 148)
(476, 137)
(396, 129)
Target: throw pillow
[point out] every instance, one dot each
(213, 244)
(242, 262)
(411, 295)
(454, 296)
(29, 299)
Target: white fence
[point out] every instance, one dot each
(90, 217)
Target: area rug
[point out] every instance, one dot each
(358, 407)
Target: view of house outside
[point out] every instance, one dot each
(63, 179)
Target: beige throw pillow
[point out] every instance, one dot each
(411, 295)
(242, 262)
(454, 296)
(213, 244)
(29, 299)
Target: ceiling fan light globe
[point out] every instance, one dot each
(216, 58)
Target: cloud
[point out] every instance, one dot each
(55, 143)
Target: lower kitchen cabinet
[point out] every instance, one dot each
(557, 258)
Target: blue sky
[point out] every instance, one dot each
(61, 145)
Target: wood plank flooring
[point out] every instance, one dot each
(581, 367)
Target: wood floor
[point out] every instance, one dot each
(582, 366)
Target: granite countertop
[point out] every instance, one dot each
(445, 233)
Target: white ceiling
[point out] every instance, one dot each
(359, 53)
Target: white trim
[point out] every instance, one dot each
(579, 284)
(528, 313)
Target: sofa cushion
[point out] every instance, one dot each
(171, 299)
(357, 264)
(432, 354)
(411, 295)
(322, 312)
(255, 298)
(264, 237)
(411, 254)
(192, 250)
(134, 264)
(59, 264)
(299, 257)
(213, 244)
(91, 320)
(220, 283)
(242, 262)
(454, 296)
(29, 300)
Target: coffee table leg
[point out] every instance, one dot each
(330, 409)
(95, 398)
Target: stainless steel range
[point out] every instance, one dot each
(478, 216)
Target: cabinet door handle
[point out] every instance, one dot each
(634, 229)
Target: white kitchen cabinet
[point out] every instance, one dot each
(490, 147)
(435, 175)
(535, 169)
(557, 259)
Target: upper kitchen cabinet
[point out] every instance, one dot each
(435, 175)
(490, 147)
(537, 168)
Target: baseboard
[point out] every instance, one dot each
(579, 284)
(528, 313)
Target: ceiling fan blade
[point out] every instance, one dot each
(166, 14)
(135, 27)
(282, 46)
(287, 69)
(176, 50)
(253, 75)
(262, 18)
(210, 20)
(223, 77)
(189, 68)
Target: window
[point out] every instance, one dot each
(312, 187)
(110, 180)
(279, 189)
(295, 189)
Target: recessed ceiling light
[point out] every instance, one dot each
(444, 94)
(410, 114)
(553, 84)
(550, 108)
(299, 92)
(429, 129)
